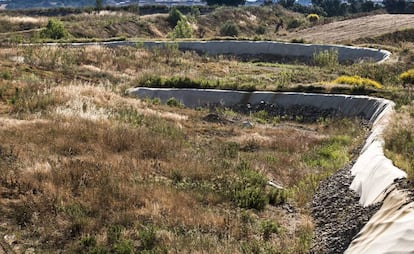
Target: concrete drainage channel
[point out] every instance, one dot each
(268, 49)
(391, 228)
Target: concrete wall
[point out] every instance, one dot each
(391, 229)
(278, 49)
(262, 48)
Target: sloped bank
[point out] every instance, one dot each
(390, 228)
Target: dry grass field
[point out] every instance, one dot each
(86, 169)
(350, 30)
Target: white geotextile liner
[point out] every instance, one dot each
(373, 174)
(373, 171)
(391, 229)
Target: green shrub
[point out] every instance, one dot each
(295, 23)
(173, 102)
(229, 149)
(131, 116)
(88, 242)
(261, 29)
(113, 234)
(261, 116)
(331, 155)
(277, 196)
(123, 246)
(6, 75)
(326, 58)
(313, 17)
(88, 245)
(182, 30)
(229, 29)
(269, 227)
(174, 15)
(248, 191)
(195, 11)
(148, 238)
(173, 82)
(54, 30)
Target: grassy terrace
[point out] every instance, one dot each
(85, 168)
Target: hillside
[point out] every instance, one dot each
(349, 30)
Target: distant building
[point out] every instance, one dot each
(254, 2)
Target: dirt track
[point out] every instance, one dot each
(352, 29)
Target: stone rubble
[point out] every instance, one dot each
(337, 214)
(336, 211)
(293, 112)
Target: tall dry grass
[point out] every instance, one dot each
(85, 169)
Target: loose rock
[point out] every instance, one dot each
(337, 214)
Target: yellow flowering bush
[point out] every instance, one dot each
(313, 17)
(357, 81)
(408, 76)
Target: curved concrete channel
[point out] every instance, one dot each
(269, 49)
(391, 229)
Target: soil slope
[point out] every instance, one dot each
(349, 30)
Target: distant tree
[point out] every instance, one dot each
(226, 2)
(54, 30)
(332, 7)
(286, 3)
(367, 6)
(174, 15)
(99, 4)
(395, 6)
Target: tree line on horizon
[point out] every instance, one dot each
(327, 8)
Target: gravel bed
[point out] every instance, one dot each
(303, 113)
(337, 214)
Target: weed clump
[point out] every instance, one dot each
(182, 30)
(269, 227)
(229, 29)
(326, 58)
(173, 102)
(248, 191)
(357, 81)
(399, 145)
(295, 23)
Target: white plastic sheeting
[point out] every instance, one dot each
(391, 229)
